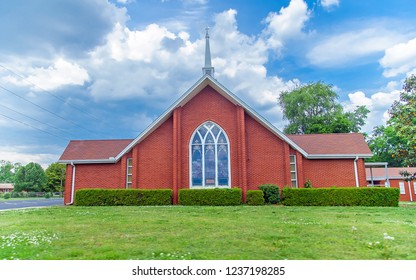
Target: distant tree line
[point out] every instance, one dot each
(32, 177)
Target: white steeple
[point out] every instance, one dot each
(207, 69)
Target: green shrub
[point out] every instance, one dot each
(16, 194)
(31, 194)
(47, 195)
(308, 184)
(155, 197)
(7, 195)
(255, 197)
(211, 197)
(271, 193)
(122, 197)
(341, 197)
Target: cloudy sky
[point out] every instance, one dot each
(105, 69)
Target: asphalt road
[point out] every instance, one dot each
(29, 203)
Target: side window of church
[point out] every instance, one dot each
(209, 156)
(129, 177)
(293, 171)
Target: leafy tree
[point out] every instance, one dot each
(357, 118)
(408, 176)
(383, 143)
(403, 121)
(55, 174)
(30, 178)
(314, 108)
(7, 171)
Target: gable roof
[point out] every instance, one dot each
(393, 172)
(337, 145)
(6, 186)
(204, 81)
(93, 151)
(116, 151)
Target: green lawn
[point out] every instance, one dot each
(177, 232)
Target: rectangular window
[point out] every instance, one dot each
(129, 178)
(402, 189)
(414, 186)
(293, 171)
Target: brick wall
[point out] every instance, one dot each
(266, 161)
(394, 183)
(328, 172)
(153, 163)
(106, 176)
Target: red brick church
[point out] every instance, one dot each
(209, 138)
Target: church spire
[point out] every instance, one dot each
(207, 69)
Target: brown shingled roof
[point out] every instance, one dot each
(93, 149)
(394, 172)
(332, 144)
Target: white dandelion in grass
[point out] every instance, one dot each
(353, 228)
(388, 237)
(33, 238)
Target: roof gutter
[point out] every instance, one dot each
(88, 161)
(338, 156)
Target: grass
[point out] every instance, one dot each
(214, 233)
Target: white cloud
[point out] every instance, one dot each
(399, 59)
(328, 4)
(138, 45)
(287, 24)
(351, 46)
(156, 64)
(149, 62)
(124, 2)
(60, 73)
(378, 103)
(25, 155)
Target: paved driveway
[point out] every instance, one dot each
(29, 203)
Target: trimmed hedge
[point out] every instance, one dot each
(341, 197)
(210, 197)
(271, 193)
(122, 197)
(254, 197)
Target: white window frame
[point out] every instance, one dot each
(293, 163)
(216, 158)
(129, 175)
(402, 187)
(414, 187)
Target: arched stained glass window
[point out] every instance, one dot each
(209, 156)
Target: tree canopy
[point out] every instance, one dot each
(314, 108)
(383, 142)
(403, 121)
(30, 178)
(56, 177)
(7, 171)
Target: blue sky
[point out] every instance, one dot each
(75, 69)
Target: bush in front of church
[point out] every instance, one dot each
(122, 197)
(255, 197)
(271, 193)
(210, 197)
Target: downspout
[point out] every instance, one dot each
(357, 183)
(72, 184)
(410, 191)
